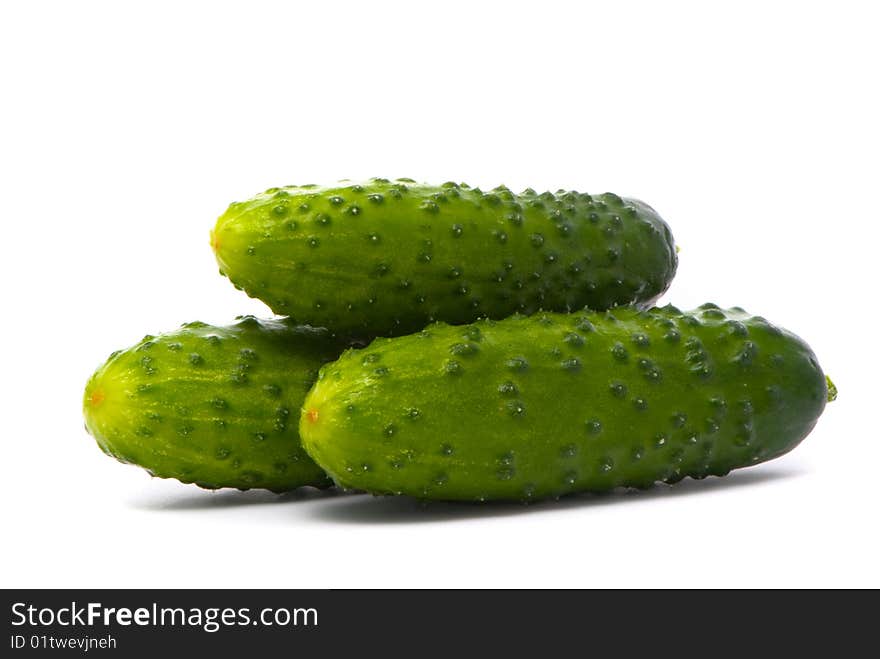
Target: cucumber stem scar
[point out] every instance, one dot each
(97, 397)
(832, 390)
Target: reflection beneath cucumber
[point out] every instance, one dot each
(403, 510)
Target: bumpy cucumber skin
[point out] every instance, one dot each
(527, 408)
(385, 258)
(214, 406)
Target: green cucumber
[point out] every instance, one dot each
(542, 406)
(385, 258)
(214, 406)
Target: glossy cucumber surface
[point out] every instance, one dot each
(385, 258)
(215, 406)
(542, 406)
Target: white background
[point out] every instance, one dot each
(128, 127)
